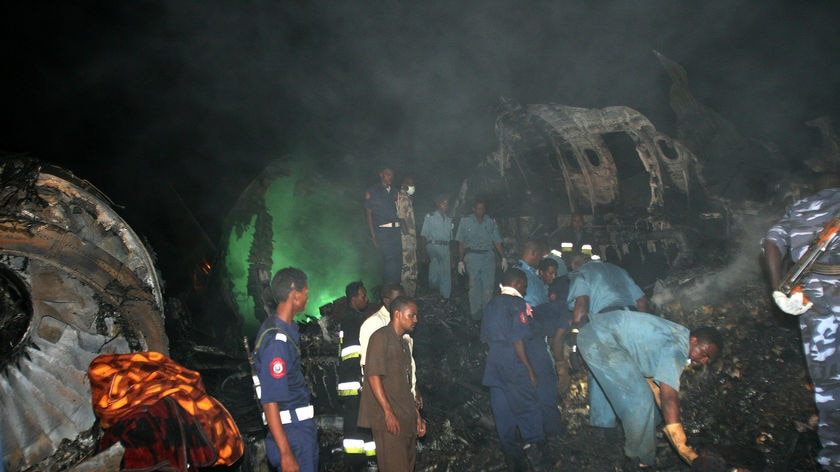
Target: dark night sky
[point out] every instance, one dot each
(142, 96)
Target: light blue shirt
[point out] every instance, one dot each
(437, 227)
(605, 284)
(537, 293)
(477, 235)
(658, 347)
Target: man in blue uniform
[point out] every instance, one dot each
(292, 440)
(508, 373)
(478, 237)
(637, 359)
(384, 225)
(818, 319)
(601, 287)
(537, 297)
(350, 376)
(555, 317)
(435, 237)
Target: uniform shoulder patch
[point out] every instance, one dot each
(280, 337)
(278, 368)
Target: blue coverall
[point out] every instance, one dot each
(437, 230)
(512, 398)
(479, 258)
(541, 359)
(608, 287)
(623, 348)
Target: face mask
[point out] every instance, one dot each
(410, 190)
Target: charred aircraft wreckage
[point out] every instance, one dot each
(77, 282)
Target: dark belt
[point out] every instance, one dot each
(478, 250)
(616, 308)
(438, 241)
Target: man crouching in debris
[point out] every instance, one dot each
(508, 373)
(806, 226)
(292, 440)
(631, 354)
(388, 407)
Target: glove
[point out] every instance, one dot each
(462, 269)
(504, 265)
(676, 435)
(793, 305)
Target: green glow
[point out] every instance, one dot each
(316, 226)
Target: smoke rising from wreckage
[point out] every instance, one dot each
(643, 192)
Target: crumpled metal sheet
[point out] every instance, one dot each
(568, 143)
(82, 283)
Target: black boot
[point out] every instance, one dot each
(516, 463)
(535, 454)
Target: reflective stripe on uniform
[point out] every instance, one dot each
(301, 414)
(350, 352)
(353, 446)
(349, 389)
(370, 448)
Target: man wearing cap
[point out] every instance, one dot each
(384, 224)
(478, 237)
(292, 439)
(435, 237)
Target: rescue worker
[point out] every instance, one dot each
(350, 377)
(556, 317)
(292, 439)
(509, 375)
(435, 237)
(543, 326)
(478, 237)
(405, 213)
(637, 359)
(384, 225)
(818, 318)
(600, 287)
(381, 318)
(387, 405)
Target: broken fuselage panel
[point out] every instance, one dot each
(636, 186)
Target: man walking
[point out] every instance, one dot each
(435, 237)
(478, 237)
